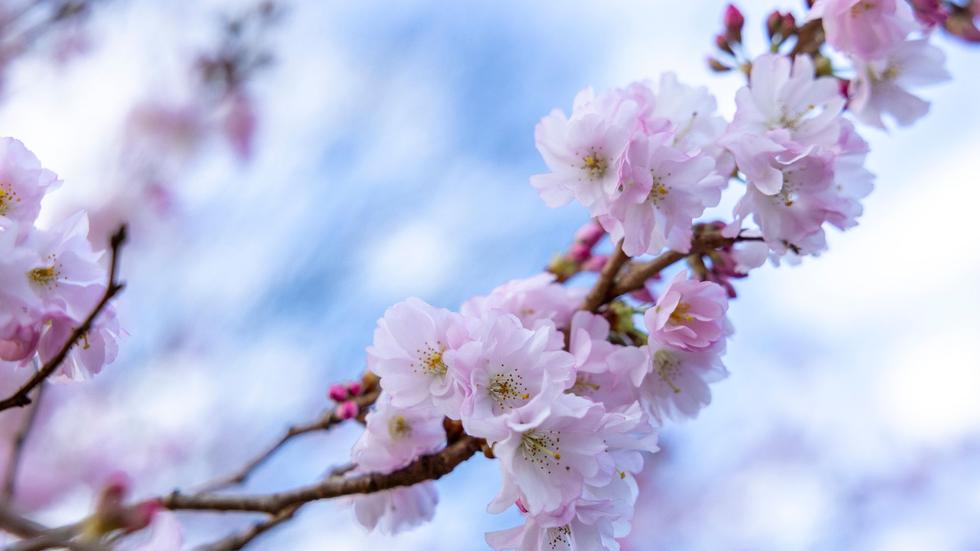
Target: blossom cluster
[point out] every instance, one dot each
(50, 279)
(568, 400)
(567, 413)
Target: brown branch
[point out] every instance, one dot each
(17, 448)
(703, 242)
(37, 536)
(113, 287)
(426, 467)
(599, 293)
(326, 422)
(237, 541)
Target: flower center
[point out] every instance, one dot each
(680, 315)
(658, 192)
(667, 367)
(507, 389)
(46, 277)
(583, 386)
(399, 427)
(541, 449)
(595, 165)
(862, 7)
(431, 360)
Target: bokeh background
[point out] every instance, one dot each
(393, 146)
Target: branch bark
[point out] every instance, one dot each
(427, 467)
(599, 293)
(20, 398)
(17, 448)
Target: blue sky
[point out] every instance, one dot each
(392, 160)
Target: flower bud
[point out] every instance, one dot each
(347, 410)
(733, 20)
(787, 25)
(580, 252)
(337, 392)
(590, 234)
(355, 388)
(717, 66)
(773, 24)
(596, 263)
(721, 42)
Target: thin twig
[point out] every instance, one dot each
(17, 448)
(239, 540)
(426, 467)
(113, 287)
(37, 536)
(326, 422)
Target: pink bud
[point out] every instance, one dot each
(734, 20)
(721, 42)
(595, 263)
(787, 24)
(116, 487)
(347, 410)
(589, 234)
(774, 23)
(643, 295)
(355, 388)
(717, 66)
(843, 87)
(142, 515)
(337, 392)
(580, 252)
(239, 125)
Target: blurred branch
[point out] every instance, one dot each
(241, 539)
(113, 287)
(326, 422)
(17, 448)
(37, 536)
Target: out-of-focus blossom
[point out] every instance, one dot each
(866, 29)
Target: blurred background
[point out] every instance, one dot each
(357, 153)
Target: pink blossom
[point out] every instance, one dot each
(411, 354)
(866, 29)
(784, 95)
(668, 191)
(692, 113)
(551, 453)
(592, 522)
(394, 437)
(511, 371)
(535, 300)
(602, 368)
(689, 315)
(96, 349)
(675, 383)
(585, 152)
(881, 87)
(396, 510)
(69, 277)
(22, 183)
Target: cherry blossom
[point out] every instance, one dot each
(690, 314)
(866, 29)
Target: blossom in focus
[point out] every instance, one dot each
(393, 437)
(510, 371)
(881, 87)
(409, 353)
(690, 314)
(668, 190)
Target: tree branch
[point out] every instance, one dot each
(326, 422)
(599, 293)
(426, 467)
(37, 536)
(113, 287)
(237, 541)
(17, 448)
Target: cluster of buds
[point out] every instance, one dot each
(729, 40)
(580, 256)
(780, 27)
(343, 394)
(958, 19)
(113, 514)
